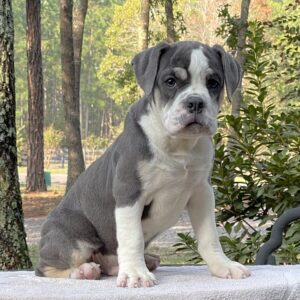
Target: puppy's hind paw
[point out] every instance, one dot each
(152, 261)
(90, 271)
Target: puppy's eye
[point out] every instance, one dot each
(171, 82)
(212, 84)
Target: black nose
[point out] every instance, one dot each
(195, 105)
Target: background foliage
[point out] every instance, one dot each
(256, 175)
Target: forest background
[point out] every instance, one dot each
(111, 39)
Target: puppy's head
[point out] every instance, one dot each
(187, 82)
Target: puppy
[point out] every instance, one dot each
(159, 166)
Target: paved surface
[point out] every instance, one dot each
(175, 283)
(33, 228)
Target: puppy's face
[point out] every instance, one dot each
(190, 90)
(188, 84)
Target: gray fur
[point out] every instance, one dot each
(145, 65)
(87, 211)
(232, 71)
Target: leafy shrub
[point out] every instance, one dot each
(256, 179)
(21, 145)
(52, 141)
(286, 45)
(257, 166)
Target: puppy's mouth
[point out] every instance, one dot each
(197, 126)
(194, 123)
(190, 125)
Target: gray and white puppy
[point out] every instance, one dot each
(159, 166)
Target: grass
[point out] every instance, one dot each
(59, 187)
(168, 256)
(62, 171)
(33, 253)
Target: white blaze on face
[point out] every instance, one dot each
(174, 113)
(198, 70)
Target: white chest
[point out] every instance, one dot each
(166, 189)
(170, 179)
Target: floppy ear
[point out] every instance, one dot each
(145, 65)
(232, 71)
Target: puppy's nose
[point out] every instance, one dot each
(195, 105)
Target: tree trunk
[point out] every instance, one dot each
(13, 247)
(71, 106)
(79, 13)
(144, 27)
(171, 34)
(240, 56)
(35, 161)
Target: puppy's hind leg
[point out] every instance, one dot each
(152, 261)
(84, 271)
(63, 257)
(83, 266)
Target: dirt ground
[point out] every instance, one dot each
(39, 204)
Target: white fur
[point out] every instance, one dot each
(201, 211)
(132, 268)
(180, 73)
(198, 70)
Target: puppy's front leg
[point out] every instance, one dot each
(201, 211)
(132, 268)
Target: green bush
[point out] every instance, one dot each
(52, 141)
(257, 166)
(256, 178)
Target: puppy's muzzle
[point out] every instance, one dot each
(195, 105)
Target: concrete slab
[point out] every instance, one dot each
(175, 282)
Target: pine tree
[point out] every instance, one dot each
(13, 247)
(35, 180)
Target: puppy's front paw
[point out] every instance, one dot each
(135, 277)
(229, 269)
